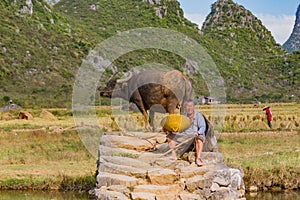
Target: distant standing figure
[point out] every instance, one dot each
(269, 115)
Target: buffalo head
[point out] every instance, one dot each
(108, 90)
(114, 85)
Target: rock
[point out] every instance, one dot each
(119, 188)
(191, 170)
(166, 197)
(109, 151)
(276, 189)
(94, 7)
(27, 8)
(127, 142)
(107, 195)
(121, 160)
(108, 179)
(236, 179)
(25, 115)
(207, 157)
(149, 136)
(127, 165)
(47, 115)
(204, 193)
(150, 157)
(56, 129)
(190, 197)
(165, 162)
(225, 193)
(221, 181)
(157, 189)
(253, 188)
(214, 187)
(253, 194)
(7, 116)
(142, 196)
(123, 170)
(161, 176)
(197, 182)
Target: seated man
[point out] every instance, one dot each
(197, 130)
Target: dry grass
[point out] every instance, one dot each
(40, 158)
(267, 158)
(248, 117)
(48, 153)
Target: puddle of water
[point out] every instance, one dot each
(41, 195)
(287, 195)
(46, 195)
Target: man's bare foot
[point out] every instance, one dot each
(173, 156)
(199, 162)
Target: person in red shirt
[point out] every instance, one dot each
(269, 115)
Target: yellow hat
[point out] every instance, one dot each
(175, 123)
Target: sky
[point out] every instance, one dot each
(277, 15)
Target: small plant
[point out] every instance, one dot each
(127, 155)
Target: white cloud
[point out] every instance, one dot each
(280, 26)
(195, 18)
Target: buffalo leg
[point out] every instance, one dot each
(145, 114)
(152, 119)
(172, 103)
(140, 105)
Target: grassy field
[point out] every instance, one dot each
(48, 153)
(44, 154)
(268, 158)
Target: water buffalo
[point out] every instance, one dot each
(151, 88)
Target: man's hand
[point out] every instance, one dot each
(196, 134)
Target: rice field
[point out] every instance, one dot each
(43, 153)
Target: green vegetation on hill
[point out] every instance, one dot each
(248, 57)
(41, 52)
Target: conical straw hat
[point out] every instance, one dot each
(175, 123)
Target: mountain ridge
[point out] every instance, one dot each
(293, 42)
(79, 25)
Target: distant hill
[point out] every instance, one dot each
(42, 48)
(40, 53)
(293, 43)
(247, 55)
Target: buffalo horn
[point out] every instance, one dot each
(126, 78)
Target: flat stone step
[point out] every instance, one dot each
(207, 157)
(105, 195)
(121, 160)
(142, 196)
(157, 189)
(110, 151)
(198, 182)
(185, 196)
(160, 176)
(156, 136)
(193, 170)
(122, 170)
(108, 179)
(167, 197)
(127, 142)
(166, 162)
